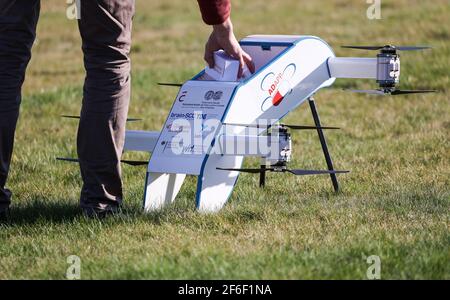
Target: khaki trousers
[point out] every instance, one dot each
(105, 27)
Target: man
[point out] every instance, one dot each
(105, 27)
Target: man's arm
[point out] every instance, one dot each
(217, 14)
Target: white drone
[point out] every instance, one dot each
(209, 115)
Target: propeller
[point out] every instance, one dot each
(400, 48)
(253, 171)
(127, 162)
(307, 127)
(297, 172)
(393, 93)
(77, 117)
(170, 84)
(404, 92)
(315, 172)
(294, 127)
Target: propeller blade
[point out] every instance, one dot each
(294, 127)
(315, 172)
(135, 163)
(307, 127)
(370, 92)
(67, 159)
(253, 171)
(249, 125)
(405, 92)
(394, 92)
(70, 117)
(170, 84)
(127, 162)
(400, 48)
(295, 172)
(77, 117)
(412, 48)
(364, 47)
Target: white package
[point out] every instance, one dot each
(226, 68)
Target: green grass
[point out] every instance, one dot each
(395, 203)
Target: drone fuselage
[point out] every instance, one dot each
(289, 70)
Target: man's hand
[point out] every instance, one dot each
(223, 37)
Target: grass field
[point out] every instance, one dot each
(395, 203)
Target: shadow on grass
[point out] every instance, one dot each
(64, 212)
(44, 211)
(55, 211)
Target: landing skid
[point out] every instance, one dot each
(323, 143)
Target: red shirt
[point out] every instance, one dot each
(215, 11)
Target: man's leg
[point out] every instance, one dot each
(105, 28)
(18, 19)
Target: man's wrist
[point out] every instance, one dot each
(224, 28)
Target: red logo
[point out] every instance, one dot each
(277, 86)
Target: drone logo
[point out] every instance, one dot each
(213, 95)
(277, 86)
